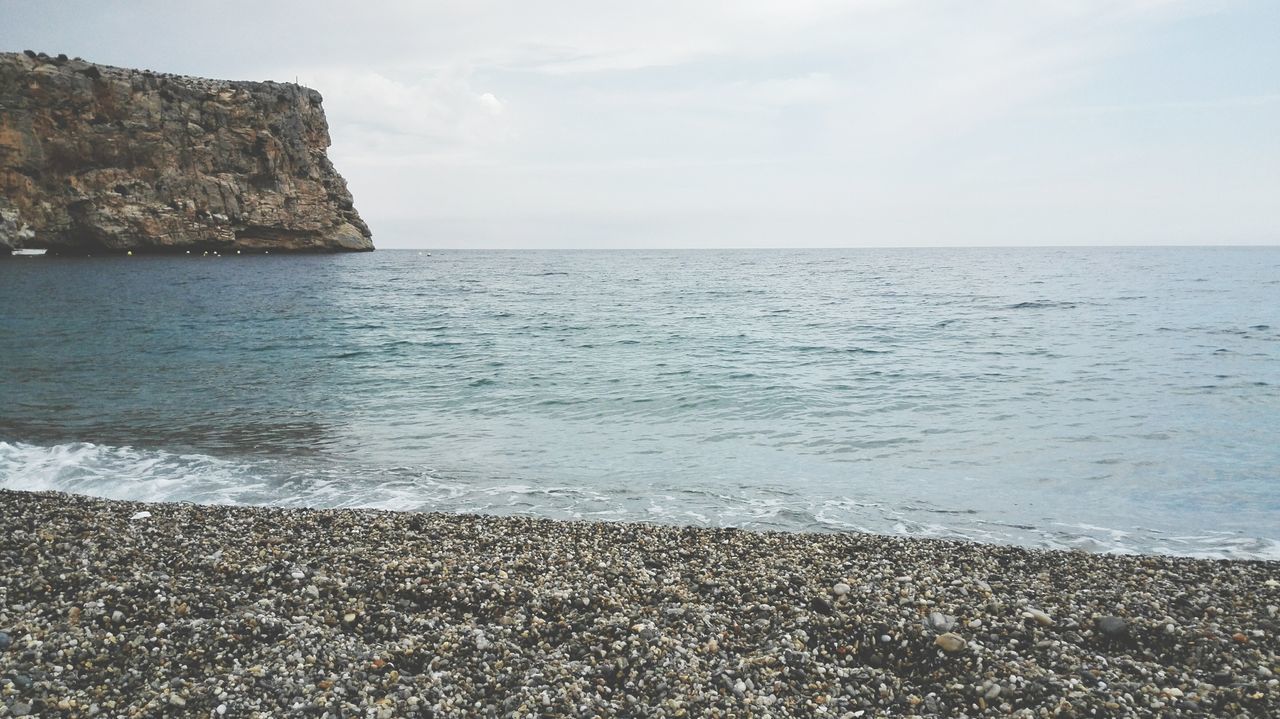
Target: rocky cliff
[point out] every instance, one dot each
(98, 159)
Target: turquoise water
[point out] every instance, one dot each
(1107, 399)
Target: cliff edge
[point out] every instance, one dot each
(99, 159)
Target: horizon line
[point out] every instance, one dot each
(835, 247)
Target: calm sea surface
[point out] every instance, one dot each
(1106, 399)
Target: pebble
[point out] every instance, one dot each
(1041, 618)
(939, 622)
(1113, 626)
(5, 641)
(841, 589)
(459, 615)
(950, 643)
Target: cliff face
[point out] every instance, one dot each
(96, 159)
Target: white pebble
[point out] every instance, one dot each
(1041, 618)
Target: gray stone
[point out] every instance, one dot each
(1113, 626)
(6, 641)
(939, 622)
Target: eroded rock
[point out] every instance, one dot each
(98, 159)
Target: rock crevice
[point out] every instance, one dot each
(99, 159)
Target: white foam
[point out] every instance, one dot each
(159, 476)
(120, 472)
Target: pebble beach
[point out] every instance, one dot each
(121, 609)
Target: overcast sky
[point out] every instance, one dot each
(752, 123)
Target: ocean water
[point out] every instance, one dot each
(1102, 399)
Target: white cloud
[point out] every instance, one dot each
(902, 120)
(425, 114)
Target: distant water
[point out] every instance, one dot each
(1105, 399)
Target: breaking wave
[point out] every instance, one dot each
(147, 475)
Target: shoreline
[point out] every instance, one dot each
(280, 612)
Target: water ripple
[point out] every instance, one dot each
(1032, 396)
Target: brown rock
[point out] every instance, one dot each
(99, 159)
(950, 642)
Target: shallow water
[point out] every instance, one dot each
(1107, 399)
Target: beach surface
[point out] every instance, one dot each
(126, 609)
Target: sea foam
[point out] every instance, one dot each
(148, 475)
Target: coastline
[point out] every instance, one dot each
(268, 612)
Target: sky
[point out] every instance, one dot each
(798, 123)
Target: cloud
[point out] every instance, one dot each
(425, 114)
(905, 120)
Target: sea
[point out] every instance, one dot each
(1102, 399)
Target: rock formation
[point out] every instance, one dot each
(98, 159)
